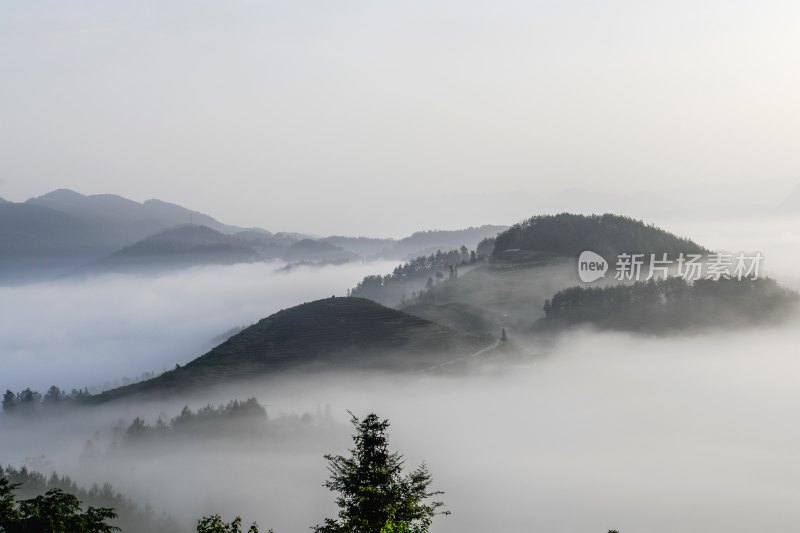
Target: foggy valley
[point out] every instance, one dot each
(591, 429)
(399, 267)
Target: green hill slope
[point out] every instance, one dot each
(330, 334)
(533, 260)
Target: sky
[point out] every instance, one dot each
(386, 117)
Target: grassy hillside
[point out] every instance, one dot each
(496, 295)
(330, 334)
(458, 316)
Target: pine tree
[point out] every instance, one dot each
(53, 396)
(375, 496)
(9, 401)
(54, 512)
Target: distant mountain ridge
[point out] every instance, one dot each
(180, 247)
(141, 219)
(192, 245)
(58, 231)
(416, 244)
(64, 231)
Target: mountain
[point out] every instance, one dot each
(325, 335)
(416, 244)
(132, 219)
(366, 247)
(37, 241)
(61, 230)
(535, 282)
(189, 245)
(428, 242)
(529, 262)
(568, 235)
(311, 250)
(180, 247)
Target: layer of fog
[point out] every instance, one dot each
(87, 333)
(656, 435)
(609, 430)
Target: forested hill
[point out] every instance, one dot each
(670, 304)
(329, 334)
(608, 235)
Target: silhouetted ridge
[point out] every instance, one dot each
(330, 334)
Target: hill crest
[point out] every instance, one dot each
(337, 333)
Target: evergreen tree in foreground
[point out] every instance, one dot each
(54, 512)
(375, 496)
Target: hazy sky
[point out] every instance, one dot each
(332, 116)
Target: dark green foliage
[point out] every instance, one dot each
(28, 402)
(236, 417)
(53, 512)
(411, 276)
(132, 517)
(8, 511)
(215, 524)
(608, 235)
(54, 396)
(485, 247)
(375, 495)
(9, 401)
(671, 303)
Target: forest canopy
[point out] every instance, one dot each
(669, 304)
(567, 234)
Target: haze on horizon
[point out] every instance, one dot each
(327, 118)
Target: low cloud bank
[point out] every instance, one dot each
(608, 430)
(92, 332)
